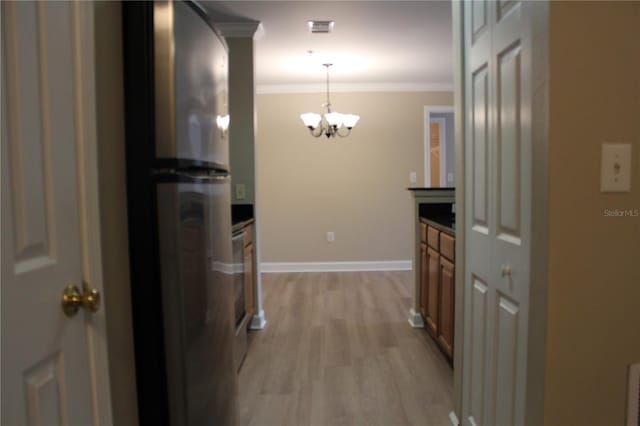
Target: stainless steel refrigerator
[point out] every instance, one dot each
(176, 120)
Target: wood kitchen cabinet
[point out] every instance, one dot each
(446, 305)
(249, 271)
(437, 285)
(423, 279)
(433, 288)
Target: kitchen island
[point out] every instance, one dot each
(433, 264)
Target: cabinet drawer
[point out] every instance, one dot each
(433, 237)
(447, 246)
(423, 233)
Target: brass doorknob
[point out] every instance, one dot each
(72, 300)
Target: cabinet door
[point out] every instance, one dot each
(248, 279)
(433, 284)
(446, 306)
(424, 291)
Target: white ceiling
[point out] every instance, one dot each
(375, 45)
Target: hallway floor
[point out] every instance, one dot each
(338, 350)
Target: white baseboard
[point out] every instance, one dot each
(388, 265)
(258, 322)
(415, 319)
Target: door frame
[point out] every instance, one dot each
(89, 205)
(537, 335)
(428, 109)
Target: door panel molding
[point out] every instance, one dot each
(29, 138)
(504, 7)
(480, 152)
(508, 164)
(45, 389)
(477, 349)
(479, 19)
(505, 356)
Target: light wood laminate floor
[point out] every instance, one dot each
(338, 350)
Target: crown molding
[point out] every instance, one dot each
(264, 89)
(243, 29)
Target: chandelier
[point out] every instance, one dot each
(331, 123)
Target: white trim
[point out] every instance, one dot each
(454, 419)
(258, 322)
(457, 11)
(83, 30)
(265, 89)
(428, 109)
(415, 319)
(388, 265)
(89, 217)
(442, 126)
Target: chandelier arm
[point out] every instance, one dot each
(317, 132)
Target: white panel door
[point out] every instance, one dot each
(47, 357)
(498, 182)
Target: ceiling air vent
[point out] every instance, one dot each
(320, 27)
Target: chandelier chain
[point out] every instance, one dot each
(328, 99)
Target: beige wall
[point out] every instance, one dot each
(113, 211)
(594, 269)
(354, 186)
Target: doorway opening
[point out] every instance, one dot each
(439, 155)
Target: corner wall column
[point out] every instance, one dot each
(242, 131)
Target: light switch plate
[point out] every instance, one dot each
(241, 191)
(615, 173)
(413, 177)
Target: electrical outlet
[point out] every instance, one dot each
(615, 174)
(413, 177)
(241, 191)
(331, 236)
(450, 177)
